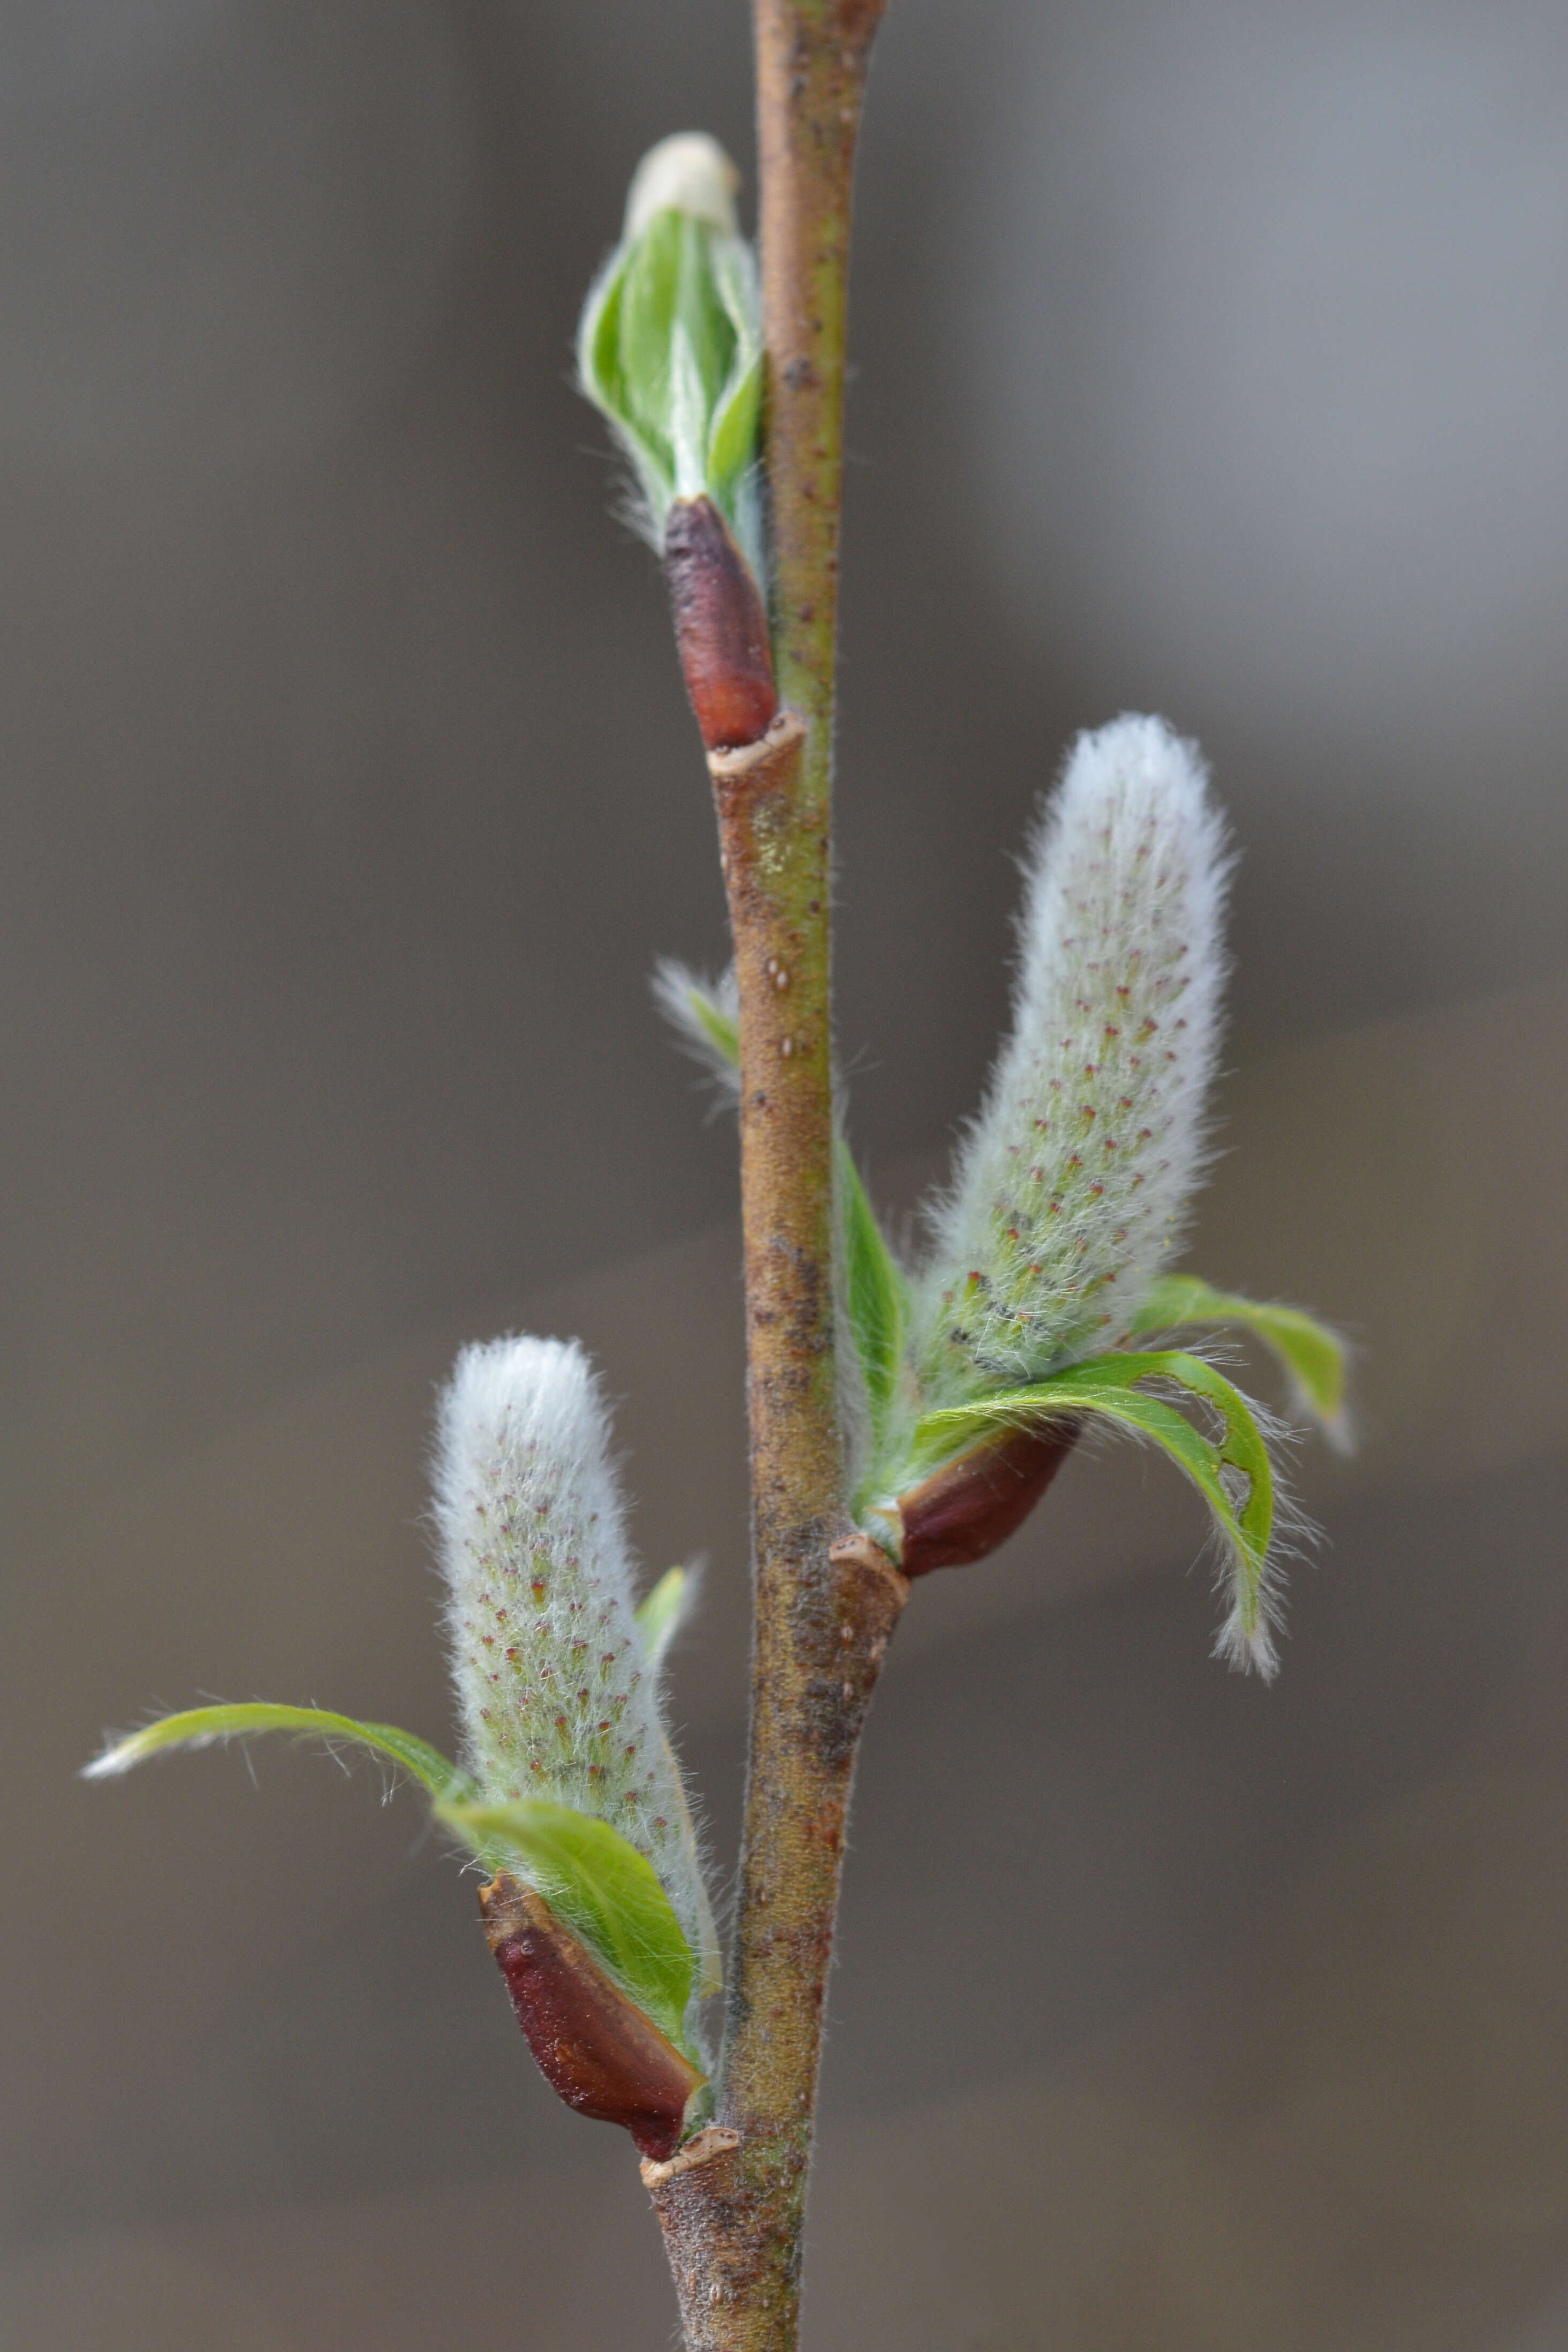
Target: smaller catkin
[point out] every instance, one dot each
(1071, 1185)
(557, 1697)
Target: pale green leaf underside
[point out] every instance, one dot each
(732, 436)
(878, 1295)
(718, 1026)
(1113, 1386)
(607, 1893)
(878, 1299)
(659, 1616)
(200, 1726)
(1314, 1356)
(659, 1619)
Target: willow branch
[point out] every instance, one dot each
(826, 1604)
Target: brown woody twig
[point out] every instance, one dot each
(826, 1601)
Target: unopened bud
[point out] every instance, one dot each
(596, 2049)
(721, 628)
(670, 347)
(964, 1510)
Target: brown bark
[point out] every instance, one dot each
(811, 60)
(825, 1611)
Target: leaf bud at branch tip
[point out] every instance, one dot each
(670, 345)
(687, 173)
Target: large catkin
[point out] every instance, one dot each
(1073, 1183)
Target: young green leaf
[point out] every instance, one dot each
(607, 1893)
(670, 347)
(660, 1612)
(877, 1293)
(732, 436)
(1232, 1472)
(200, 1726)
(1314, 1356)
(705, 1015)
(660, 1616)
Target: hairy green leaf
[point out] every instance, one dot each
(718, 1026)
(1314, 1356)
(732, 436)
(669, 348)
(878, 1297)
(607, 1893)
(200, 1726)
(659, 1619)
(1231, 1470)
(660, 1612)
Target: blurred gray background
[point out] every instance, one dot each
(1212, 356)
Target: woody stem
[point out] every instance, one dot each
(824, 1606)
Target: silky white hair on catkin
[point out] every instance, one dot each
(552, 1681)
(1071, 1185)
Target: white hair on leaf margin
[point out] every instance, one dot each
(704, 1015)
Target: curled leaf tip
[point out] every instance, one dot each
(202, 1727)
(1311, 1354)
(663, 1611)
(1227, 1460)
(1247, 1649)
(704, 1015)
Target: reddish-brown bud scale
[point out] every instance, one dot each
(963, 1511)
(594, 2046)
(721, 627)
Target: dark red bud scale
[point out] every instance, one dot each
(594, 2046)
(721, 627)
(963, 1511)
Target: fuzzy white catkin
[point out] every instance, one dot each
(555, 1695)
(1072, 1181)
